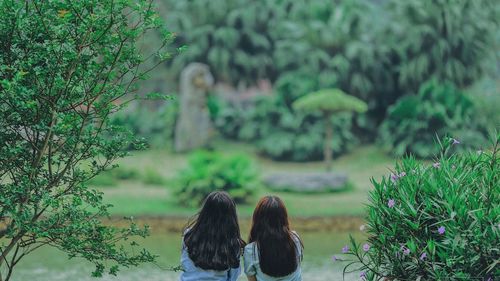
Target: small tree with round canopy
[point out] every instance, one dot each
(329, 102)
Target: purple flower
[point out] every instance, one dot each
(362, 274)
(334, 258)
(406, 251)
(391, 203)
(394, 177)
(366, 247)
(436, 165)
(345, 249)
(423, 256)
(402, 174)
(455, 141)
(441, 230)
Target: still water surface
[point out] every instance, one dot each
(51, 265)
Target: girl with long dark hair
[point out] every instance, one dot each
(274, 251)
(212, 242)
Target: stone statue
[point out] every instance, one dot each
(193, 123)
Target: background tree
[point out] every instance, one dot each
(328, 102)
(65, 66)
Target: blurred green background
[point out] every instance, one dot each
(425, 69)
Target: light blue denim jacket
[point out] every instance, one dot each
(194, 273)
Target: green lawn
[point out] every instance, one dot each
(136, 198)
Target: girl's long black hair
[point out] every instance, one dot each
(278, 253)
(213, 238)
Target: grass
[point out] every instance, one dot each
(155, 197)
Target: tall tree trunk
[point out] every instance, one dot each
(327, 146)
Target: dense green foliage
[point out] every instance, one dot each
(435, 221)
(209, 171)
(230, 36)
(325, 44)
(378, 52)
(283, 134)
(414, 122)
(443, 40)
(65, 66)
(374, 51)
(294, 44)
(244, 41)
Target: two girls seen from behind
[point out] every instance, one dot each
(212, 244)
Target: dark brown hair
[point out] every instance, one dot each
(213, 239)
(278, 253)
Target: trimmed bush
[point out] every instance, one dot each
(209, 171)
(328, 102)
(437, 221)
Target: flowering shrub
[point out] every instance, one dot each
(437, 221)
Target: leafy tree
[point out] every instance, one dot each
(328, 102)
(65, 66)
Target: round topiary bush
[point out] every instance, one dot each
(437, 221)
(328, 102)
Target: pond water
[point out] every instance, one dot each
(50, 264)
